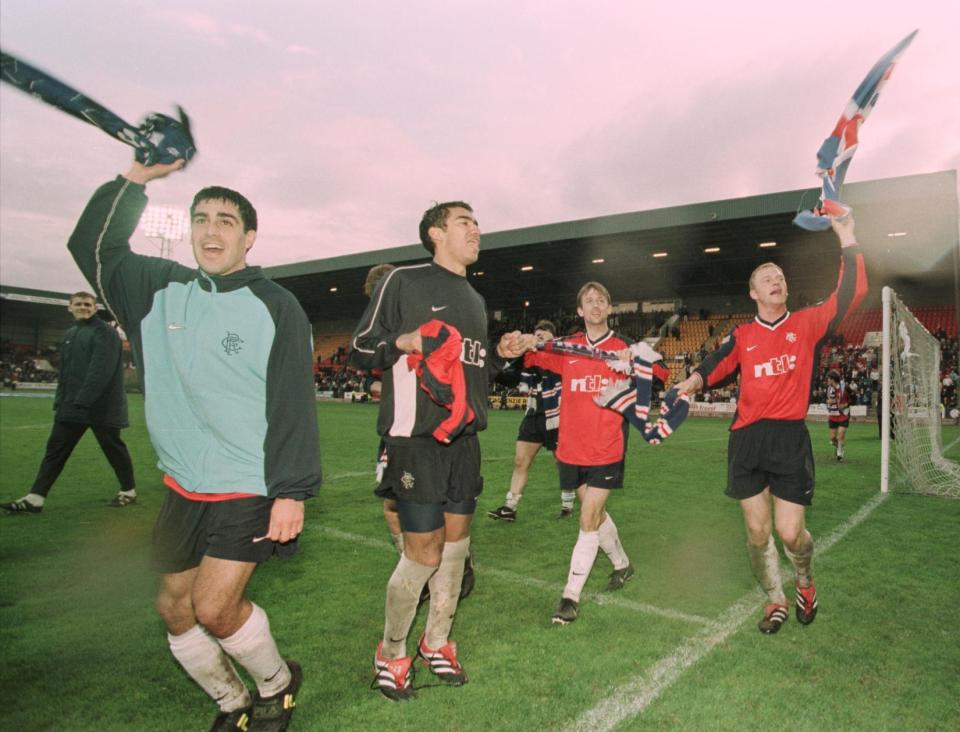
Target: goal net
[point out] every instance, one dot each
(912, 449)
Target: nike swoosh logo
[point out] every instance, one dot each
(575, 360)
(175, 326)
(608, 477)
(436, 309)
(750, 348)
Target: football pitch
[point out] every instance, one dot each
(677, 648)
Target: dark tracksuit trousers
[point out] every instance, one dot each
(64, 437)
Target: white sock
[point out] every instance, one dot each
(205, 662)
(445, 592)
(610, 543)
(34, 499)
(566, 498)
(581, 562)
(403, 595)
(253, 647)
(132, 493)
(512, 501)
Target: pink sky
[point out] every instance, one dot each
(343, 121)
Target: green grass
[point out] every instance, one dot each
(82, 648)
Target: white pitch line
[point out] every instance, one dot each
(601, 598)
(644, 689)
(555, 588)
(27, 426)
(371, 474)
(636, 695)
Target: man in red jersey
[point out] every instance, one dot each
(838, 409)
(591, 449)
(769, 450)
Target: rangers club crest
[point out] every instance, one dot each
(792, 337)
(232, 344)
(407, 481)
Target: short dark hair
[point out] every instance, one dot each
(833, 375)
(546, 325)
(85, 295)
(436, 215)
(374, 275)
(248, 214)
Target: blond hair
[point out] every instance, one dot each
(753, 274)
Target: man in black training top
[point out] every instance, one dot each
(426, 327)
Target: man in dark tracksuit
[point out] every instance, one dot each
(426, 328)
(538, 428)
(225, 359)
(90, 395)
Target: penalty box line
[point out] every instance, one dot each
(632, 698)
(518, 579)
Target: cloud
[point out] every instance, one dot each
(200, 24)
(250, 32)
(296, 49)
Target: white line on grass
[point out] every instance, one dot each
(27, 426)
(601, 598)
(517, 579)
(371, 474)
(636, 695)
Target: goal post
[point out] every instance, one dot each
(911, 450)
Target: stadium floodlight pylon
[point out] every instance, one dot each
(910, 391)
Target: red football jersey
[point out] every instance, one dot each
(776, 361)
(589, 434)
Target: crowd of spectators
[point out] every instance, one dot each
(858, 365)
(339, 380)
(18, 365)
(949, 375)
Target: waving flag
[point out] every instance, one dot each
(836, 152)
(159, 138)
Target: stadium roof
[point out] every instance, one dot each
(907, 225)
(36, 297)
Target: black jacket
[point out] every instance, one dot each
(90, 386)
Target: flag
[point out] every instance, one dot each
(836, 152)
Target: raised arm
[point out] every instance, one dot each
(100, 245)
(851, 281)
